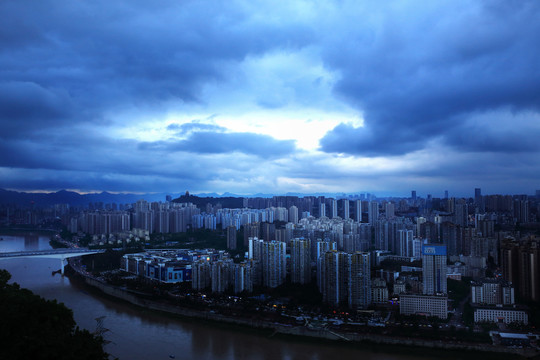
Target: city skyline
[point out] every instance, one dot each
(247, 98)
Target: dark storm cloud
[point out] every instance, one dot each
(66, 67)
(420, 74)
(26, 104)
(99, 162)
(345, 138)
(208, 142)
(77, 80)
(507, 133)
(105, 56)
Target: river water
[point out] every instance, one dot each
(138, 334)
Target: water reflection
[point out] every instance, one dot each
(31, 242)
(24, 241)
(200, 341)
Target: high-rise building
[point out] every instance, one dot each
(485, 227)
(509, 260)
(345, 209)
(477, 194)
(255, 254)
(250, 231)
(300, 261)
(521, 211)
(283, 235)
(419, 221)
(141, 205)
(333, 277)
(479, 201)
(529, 271)
(322, 210)
(293, 214)
(243, 277)
(324, 246)
(405, 243)
(373, 212)
(268, 231)
(358, 211)
(222, 274)
(461, 214)
(274, 265)
(255, 248)
(389, 209)
(449, 232)
(382, 234)
(429, 201)
(333, 208)
(429, 231)
(345, 279)
(201, 274)
(231, 237)
(359, 283)
(434, 269)
(417, 249)
(520, 265)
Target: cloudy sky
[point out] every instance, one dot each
(271, 97)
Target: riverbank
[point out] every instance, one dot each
(301, 332)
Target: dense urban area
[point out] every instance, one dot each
(433, 268)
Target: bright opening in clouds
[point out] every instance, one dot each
(259, 97)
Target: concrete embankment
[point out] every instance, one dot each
(132, 298)
(302, 331)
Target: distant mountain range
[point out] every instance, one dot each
(73, 198)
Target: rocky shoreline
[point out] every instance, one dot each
(301, 331)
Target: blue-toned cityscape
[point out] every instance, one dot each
(358, 171)
(460, 265)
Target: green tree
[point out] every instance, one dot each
(35, 328)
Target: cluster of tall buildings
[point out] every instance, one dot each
(338, 241)
(520, 265)
(220, 275)
(345, 279)
(152, 217)
(101, 222)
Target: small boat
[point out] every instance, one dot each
(172, 356)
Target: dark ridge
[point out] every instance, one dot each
(200, 202)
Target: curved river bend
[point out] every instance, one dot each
(138, 334)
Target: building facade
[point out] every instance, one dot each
(434, 269)
(496, 315)
(300, 261)
(274, 265)
(424, 305)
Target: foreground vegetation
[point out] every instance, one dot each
(35, 328)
